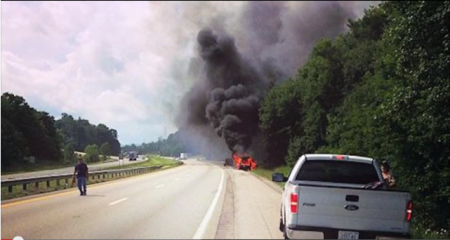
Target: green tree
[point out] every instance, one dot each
(92, 153)
(281, 118)
(36, 128)
(14, 147)
(83, 133)
(105, 149)
(380, 90)
(69, 153)
(416, 116)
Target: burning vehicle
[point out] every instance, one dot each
(244, 162)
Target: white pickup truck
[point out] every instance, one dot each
(341, 197)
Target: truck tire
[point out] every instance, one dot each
(285, 232)
(281, 227)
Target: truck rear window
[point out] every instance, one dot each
(337, 172)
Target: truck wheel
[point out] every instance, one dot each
(281, 227)
(285, 233)
(285, 236)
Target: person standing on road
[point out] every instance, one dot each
(81, 172)
(387, 174)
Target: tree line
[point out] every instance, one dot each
(382, 90)
(172, 146)
(29, 135)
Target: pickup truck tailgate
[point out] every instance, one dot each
(352, 209)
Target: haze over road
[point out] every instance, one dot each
(172, 204)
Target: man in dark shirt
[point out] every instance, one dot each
(81, 171)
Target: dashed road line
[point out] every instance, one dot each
(118, 201)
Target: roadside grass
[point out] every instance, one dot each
(42, 187)
(152, 161)
(267, 173)
(46, 165)
(419, 232)
(55, 185)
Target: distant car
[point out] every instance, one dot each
(228, 162)
(132, 156)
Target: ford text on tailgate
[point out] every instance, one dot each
(341, 197)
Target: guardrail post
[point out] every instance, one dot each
(67, 177)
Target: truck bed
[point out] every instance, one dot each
(349, 208)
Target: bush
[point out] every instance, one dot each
(92, 153)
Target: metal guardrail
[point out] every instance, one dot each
(66, 177)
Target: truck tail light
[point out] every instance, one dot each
(409, 208)
(294, 203)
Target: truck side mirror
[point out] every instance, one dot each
(278, 177)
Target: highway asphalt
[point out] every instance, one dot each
(200, 200)
(251, 208)
(168, 204)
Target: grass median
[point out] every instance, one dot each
(48, 165)
(267, 173)
(152, 161)
(55, 185)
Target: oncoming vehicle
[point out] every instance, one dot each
(228, 162)
(132, 156)
(341, 197)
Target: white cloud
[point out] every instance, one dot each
(123, 64)
(108, 62)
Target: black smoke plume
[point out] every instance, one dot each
(234, 90)
(232, 76)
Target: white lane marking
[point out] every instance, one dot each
(176, 179)
(118, 201)
(202, 228)
(160, 186)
